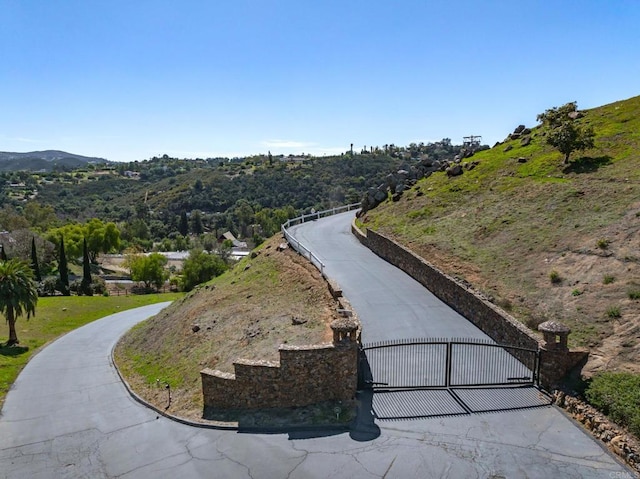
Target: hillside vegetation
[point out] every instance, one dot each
(544, 240)
(275, 297)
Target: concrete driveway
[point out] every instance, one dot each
(69, 416)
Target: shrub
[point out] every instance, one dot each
(613, 312)
(618, 396)
(602, 243)
(576, 292)
(97, 286)
(47, 287)
(608, 279)
(555, 277)
(633, 294)
(200, 267)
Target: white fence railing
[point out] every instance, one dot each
(316, 215)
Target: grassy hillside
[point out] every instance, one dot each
(543, 239)
(277, 297)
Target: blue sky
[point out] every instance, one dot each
(128, 80)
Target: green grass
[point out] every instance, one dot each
(499, 225)
(613, 312)
(555, 277)
(56, 316)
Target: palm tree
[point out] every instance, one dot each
(18, 293)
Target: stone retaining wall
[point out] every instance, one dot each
(305, 375)
(493, 321)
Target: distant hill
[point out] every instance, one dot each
(48, 160)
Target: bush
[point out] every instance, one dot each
(576, 292)
(47, 287)
(555, 277)
(608, 279)
(633, 294)
(618, 396)
(602, 243)
(200, 267)
(613, 312)
(97, 286)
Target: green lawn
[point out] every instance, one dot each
(56, 316)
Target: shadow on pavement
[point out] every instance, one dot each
(364, 428)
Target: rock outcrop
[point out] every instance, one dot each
(397, 183)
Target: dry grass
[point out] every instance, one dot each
(506, 226)
(277, 297)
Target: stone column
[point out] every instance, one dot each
(344, 330)
(556, 360)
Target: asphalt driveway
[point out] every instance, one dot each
(69, 416)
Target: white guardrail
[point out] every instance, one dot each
(299, 247)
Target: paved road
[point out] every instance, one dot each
(68, 416)
(391, 304)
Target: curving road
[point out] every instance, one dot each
(69, 416)
(391, 304)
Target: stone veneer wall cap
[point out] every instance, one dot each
(257, 362)
(553, 327)
(218, 373)
(291, 347)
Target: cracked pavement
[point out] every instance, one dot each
(69, 416)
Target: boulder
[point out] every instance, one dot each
(525, 140)
(470, 165)
(519, 129)
(380, 195)
(391, 181)
(454, 170)
(508, 148)
(402, 175)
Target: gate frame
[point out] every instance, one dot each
(364, 383)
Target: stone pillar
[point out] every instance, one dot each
(344, 329)
(556, 360)
(555, 335)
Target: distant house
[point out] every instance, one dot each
(229, 236)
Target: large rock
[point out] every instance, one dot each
(454, 170)
(380, 195)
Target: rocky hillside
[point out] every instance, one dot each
(543, 239)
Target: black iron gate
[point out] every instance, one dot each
(445, 363)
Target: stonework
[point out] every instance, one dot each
(305, 375)
(616, 438)
(493, 321)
